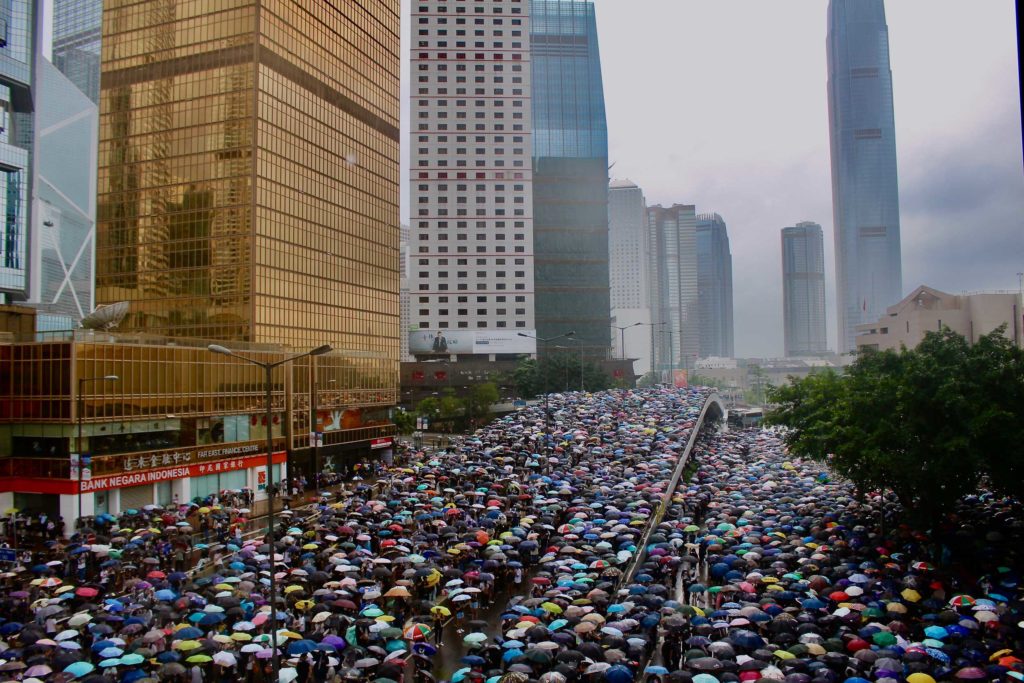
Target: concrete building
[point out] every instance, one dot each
(674, 294)
(714, 287)
(629, 274)
(803, 290)
(927, 309)
(865, 198)
(404, 307)
(472, 274)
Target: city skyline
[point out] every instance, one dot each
(958, 158)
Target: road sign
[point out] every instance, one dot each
(8, 555)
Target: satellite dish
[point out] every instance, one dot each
(106, 316)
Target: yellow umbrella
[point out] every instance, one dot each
(784, 654)
(910, 595)
(64, 589)
(224, 587)
(289, 634)
(441, 609)
(241, 636)
(304, 604)
(204, 511)
(221, 638)
(292, 588)
(385, 617)
(551, 607)
(186, 645)
(310, 546)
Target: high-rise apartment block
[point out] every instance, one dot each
(629, 257)
(803, 290)
(472, 244)
(570, 174)
(865, 200)
(714, 287)
(248, 171)
(674, 294)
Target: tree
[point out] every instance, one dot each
(405, 421)
(557, 372)
(928, 423)
(481, 397)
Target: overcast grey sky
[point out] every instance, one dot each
(722, 104)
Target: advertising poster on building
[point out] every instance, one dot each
(447, 342)
(261, 478)
(74, 466)
(679, 379)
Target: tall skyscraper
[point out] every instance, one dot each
(248, 171)
(16, 131)
(803, 289)
(674, 297)
(570, 174)
(714, 286)
(77, 29)
(472, 273)
(629, 259)
(865, 200)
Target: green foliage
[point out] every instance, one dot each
(405, 421)
(558, 372)
(481, 398)
(929, 423)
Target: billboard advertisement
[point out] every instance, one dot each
(679, 379)
(447, 342)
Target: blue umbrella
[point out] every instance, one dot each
(168, 657)
(79, 669)
(618, 674)
(165, 594)
(188, 633)
(301, 647)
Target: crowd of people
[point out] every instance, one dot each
(524, 553)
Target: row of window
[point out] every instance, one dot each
(476, 79)
(444, 325)
(477, 44)
(477, 33)
(479, 311)
(481, 249)
(463, 273)
(465, 262)
(462, 188)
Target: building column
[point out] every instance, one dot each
(69, 509)
(181, 488)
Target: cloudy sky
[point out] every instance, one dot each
(722, 104)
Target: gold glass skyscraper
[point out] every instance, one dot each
(248, 170)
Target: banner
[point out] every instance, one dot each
(167, 473)
(679, 379)
(447, 342)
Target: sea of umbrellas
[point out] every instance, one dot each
(510, 557)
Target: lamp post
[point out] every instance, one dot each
(267, 370)
(622, 337)
(80, 411)
(546, 340)
(652, 326)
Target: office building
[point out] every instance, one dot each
(865, 200)
(674, 296)
(471, 281)
(714, 287)
(77, 30)
(570, 174)
(249, 192)
(404, 308)
(929, 310)
(803, 290)
(629, 274)
(16, 131)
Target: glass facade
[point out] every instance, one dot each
(714, 287)
(865, 200)
(803, 289)
(570, 181)
(248, 171)
(64, 206)
(674, 294)
(175, 394)
(16, 125)
(77, 28)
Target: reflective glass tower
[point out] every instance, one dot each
(674, 296)
(803, 289)
(77, 28)
(570, 174)
(714, 285)
(248, 171)
(865, 201)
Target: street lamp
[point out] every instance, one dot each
(622, 337)
(546, 340)
(81, 411)
(267, 369)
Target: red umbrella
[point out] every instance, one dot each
(86, 592)
(156, 574)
